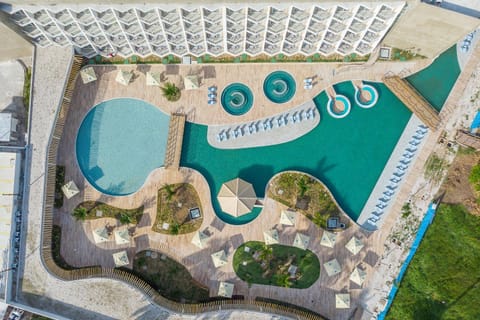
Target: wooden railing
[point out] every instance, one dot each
(122, 275)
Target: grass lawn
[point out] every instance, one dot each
(171, 279)
(173, 207)
(443, 280)
(269, 265)
(296, 190)
(125, 216)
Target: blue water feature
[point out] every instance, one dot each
(119, 143)
(476, 122)
(426, 222)
(279, 87)
(237, 99)
(436, 81)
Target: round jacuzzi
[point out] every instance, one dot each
(237, 99)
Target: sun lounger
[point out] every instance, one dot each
(395, 179)
(392, 187)
(405, 161)
(412, 149)
(377, 212)
(408, 155)
(402, 167)
(373, 223)
(423, 126)
(381, 205)
(384, 199)
(373, 218)
(414, 142)
(389, 193)
(210, 102)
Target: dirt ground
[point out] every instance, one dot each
(457, 187)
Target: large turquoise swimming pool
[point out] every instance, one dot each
(119, 143)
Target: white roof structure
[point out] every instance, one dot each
(237, 197)
(120, 259)
(153, 78)
(225, 289)
(332, 267)
(6, 120)
(219, 258)
(287, 217)
(328, 239)
(124, 77)
(301, 241)
(200, 239)
(354, 245)
(191, 82)
(270, 236)
(70, 189)
(100, 235)
(88, 75)
(358, 276)
(342, 300)
(10, 169)
(122, 237)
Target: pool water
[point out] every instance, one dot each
(337, 152)
(436, 81)
(119, 143)
(279, 87)
(237, 99)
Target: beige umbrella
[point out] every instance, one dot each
(287, 217)
(225, 289)
(270, 236)
(70, 189)
(153, 78)
(120, 259)
(88, 75)
(219, 259)
(358, 276)
(191, 82)
(354, 245)
(237, 197)
(342, 300)
(200, 239)
(124, 77)
(332, 267)
(301, 241)
(328, 239)
(100, 235)
(122, 237)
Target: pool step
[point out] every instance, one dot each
(174, 141)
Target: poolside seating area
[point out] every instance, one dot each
(307, 83)
(212, 95)
(401, 168)
(266, 125)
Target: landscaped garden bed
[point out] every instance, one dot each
(276, 265)
(171, 279)
(96, 210)
(173, 209)
(56, 243)
(59, 182)
(305, 195)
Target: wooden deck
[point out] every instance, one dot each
(413, 100)
(468, 140)
(79, 249)
(174, 141)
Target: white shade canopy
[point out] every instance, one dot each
(124, 77)
(153, 78)
(70, 189)
(328, 239)
(122, 236)
(332, 267)
(354, 245)
(358, 276)
(191, 82)
(120, 259)
(219, 259)
(237, 197)
(225, 289)
(200, 239)
(88, 75)
(100, 235)
(270, 236)
(342, 300)
(301, 241)
(287, 217)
